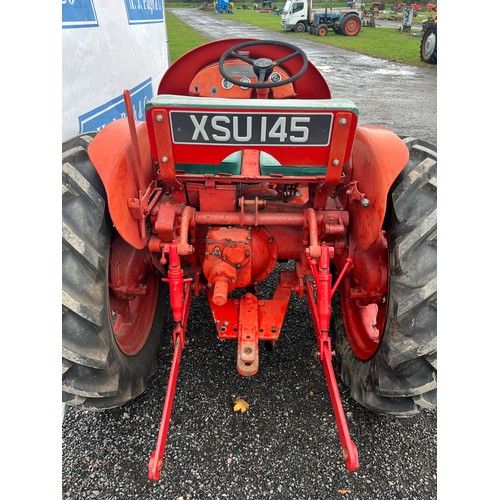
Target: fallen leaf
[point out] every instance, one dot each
(343, 491)
(311, 393)
(240, 405)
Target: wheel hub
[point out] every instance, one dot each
(430, 45)
(133, 292)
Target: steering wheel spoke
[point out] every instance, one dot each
(242, 57)
(286, 58)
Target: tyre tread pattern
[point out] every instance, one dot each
(96, 374)
(401, 378)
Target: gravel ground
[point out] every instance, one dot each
(286, 444)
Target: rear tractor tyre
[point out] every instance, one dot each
(428, 46)
(351, 25)
(399, 376)
(109, 346)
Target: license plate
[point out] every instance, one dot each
(271, 129)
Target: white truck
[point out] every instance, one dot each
(299, 16)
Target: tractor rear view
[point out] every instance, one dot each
(246, 162)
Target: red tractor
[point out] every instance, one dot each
(398, 7)
(246, 162)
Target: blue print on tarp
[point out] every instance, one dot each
(144, 11)
(78, 14)
(99, 117)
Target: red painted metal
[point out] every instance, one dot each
(163, 150)
(321, 312)
(226, 263)
(170, 155)
(186, 222)
(271, 313)
(363, 298)
(135, 143)
(111, 153)
(180, 74)
(164, 219)
(344, 127)
(378, 157)
(248, 337)
(208, 83)
(180, 300)
(133, 294)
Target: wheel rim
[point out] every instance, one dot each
(322, 32)
(429, 46)
(352, 27)
(364, 324)
(132, 306)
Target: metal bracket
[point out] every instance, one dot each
(248, 338)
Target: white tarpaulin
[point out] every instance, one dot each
(109, 46)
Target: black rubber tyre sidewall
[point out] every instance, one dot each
(344, 24)
(401, 377)
(432, 58)
(300, 28)
(108, 378)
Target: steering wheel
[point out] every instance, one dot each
(263, 67)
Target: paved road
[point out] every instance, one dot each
(286, 444)
(397, 96)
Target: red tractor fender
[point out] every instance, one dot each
(112, 155)
(378, 157)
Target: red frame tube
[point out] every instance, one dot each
(180, 299)
(156, 461)
(321, 313)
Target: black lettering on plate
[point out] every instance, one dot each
(272, 129)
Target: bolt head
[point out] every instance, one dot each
(164, 159)
(159, 118)
(342, 122)
(336, 162)
(365, 202)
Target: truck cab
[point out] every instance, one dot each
(296, 15)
